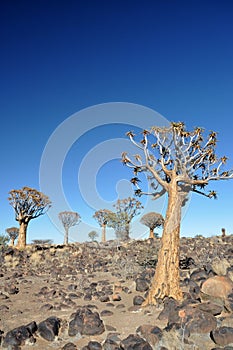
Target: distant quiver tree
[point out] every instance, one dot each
(152, 220)
(68, 219)
(101, 216)
(126, 210)
(177, 162)
(13, 233)
(28, 204)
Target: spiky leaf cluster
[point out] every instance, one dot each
(28, 203)
(174, 154)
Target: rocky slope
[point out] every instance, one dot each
(88, 296)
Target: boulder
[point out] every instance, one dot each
(135, 342)
(86, 322)
(49, 328)
(217, 289)
(222, 336)
(17, 337)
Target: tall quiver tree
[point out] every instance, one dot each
(177, 162)
(28, 204)
(152, 220)
(68, 219)
(101, 216)
(13, 233)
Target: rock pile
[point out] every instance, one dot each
(89, 296)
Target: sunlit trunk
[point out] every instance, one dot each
(22, 234)
(151, 233)
(166, 281)
(103, 238)
(66, 235)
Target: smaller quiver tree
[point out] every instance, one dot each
(126, 210)
(152, 220)
(93, 235)
(68, 219)
(102, 216)
(13, 233)
(28, 204)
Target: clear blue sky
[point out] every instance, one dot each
(61, 57)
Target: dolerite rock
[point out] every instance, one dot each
(49, 328)
(18, 336)
(69, 346)
(200, 322)
(94, 345)
(85, 322)
(222, 335)
(110, 344)
(1, 336)
(138, 300)
(217, 289)
(142, 284)
(152, 334)
(135, 342)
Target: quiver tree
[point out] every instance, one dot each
(28, 204)
(152, 220)
(126, 210)
(13, 233)
(93, 235)
(68, 219)
(176, 162)
(101, 216)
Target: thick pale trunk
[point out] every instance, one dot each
(166, 281)
(152, 233)
(103, 238)
(22, 235)
(66, 236)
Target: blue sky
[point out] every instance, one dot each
(61, 57)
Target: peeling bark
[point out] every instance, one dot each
(166, 281)
(22, 234)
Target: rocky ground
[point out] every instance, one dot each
(88, 296)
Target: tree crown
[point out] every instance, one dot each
(169, 154)
(28, 203)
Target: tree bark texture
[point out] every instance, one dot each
(66, 235)
(103, 237)
(166, 281)
(22, 234)
(151, 233)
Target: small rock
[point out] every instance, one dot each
(94, 345)
(142, 284)
(69, 346)
(138, 300)
(222, 335)
(110, 344)
(116, 297)
(135, 342)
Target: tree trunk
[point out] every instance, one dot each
(12, 242)
(66, 235)
(22, 234)
(166, 281)
(127, 229)
(103, 238)
(152, 233)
